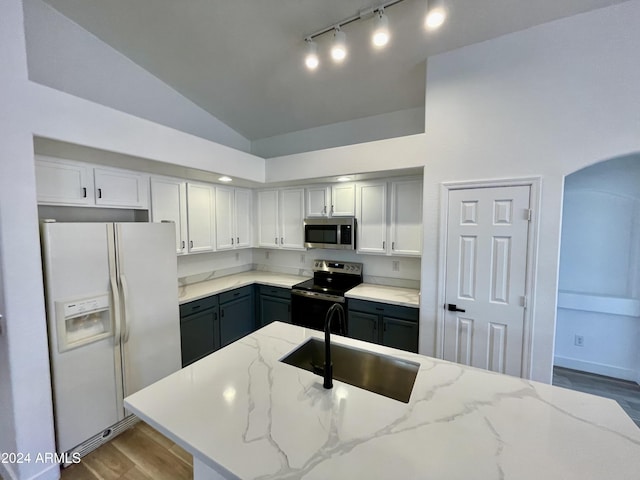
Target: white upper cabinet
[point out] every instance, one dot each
(63, 182)
(200, 217)
(169, 203)
(390, 217)
(66, 182)
(233, 218)
(292, 218)
(243, 217)
(371, 213)
(330, 201)
(343, 200)
(280, 218)
(120, 188)
(318, 200)
(225, 235)
(268, 232)
(406, 217)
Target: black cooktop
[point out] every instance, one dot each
(333, 278)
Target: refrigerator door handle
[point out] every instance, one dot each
(126, 319)
(116, 311)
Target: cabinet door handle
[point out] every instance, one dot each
(190, 243)
(231, 240)
(221, 313)
(99, 193)
(384, 244)
(331, 211)
(182, 243)
(393, 245)
(237, 240)
(281, 241)
(276, 240)
(84, 192)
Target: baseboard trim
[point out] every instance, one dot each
(52, 472)
(597, 368)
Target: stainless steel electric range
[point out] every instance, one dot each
(310, 300)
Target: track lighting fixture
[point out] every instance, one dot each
(436, 15)
(311, 60)
(339, 46)
(381, 31)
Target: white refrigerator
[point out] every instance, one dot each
(113, 321)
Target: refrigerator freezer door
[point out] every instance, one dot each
(148, 280)
(84, 379)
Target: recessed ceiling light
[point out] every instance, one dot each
(344, 179)
(225, 179)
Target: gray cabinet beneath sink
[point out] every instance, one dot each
(390, 325)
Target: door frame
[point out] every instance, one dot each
(535, 185)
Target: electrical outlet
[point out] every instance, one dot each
(395, 265)
(579, 341)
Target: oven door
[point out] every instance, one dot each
(308, 309)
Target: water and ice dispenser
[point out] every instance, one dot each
(83, 321)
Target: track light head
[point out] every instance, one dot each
(436, 14)
(381, 33)
(311, 58)
(339, 47)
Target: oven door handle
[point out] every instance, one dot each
(318, 296)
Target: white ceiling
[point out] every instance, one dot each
(242, 60)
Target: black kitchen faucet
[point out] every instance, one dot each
(328, 365)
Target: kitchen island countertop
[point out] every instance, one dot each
(244, 414)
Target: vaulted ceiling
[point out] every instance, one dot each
(242, 60)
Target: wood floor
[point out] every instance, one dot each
(627, 394)
(140, 453)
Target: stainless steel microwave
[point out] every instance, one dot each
(339, 233)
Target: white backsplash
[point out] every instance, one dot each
(205, 266)
(377, 269)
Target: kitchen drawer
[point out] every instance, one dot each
(198, 305)
(388, 310)
(234, 294)
(274, 291)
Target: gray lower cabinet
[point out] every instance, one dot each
(391, 325)
(213, 322)
(274, 303)
(237, 317)
(199, 329)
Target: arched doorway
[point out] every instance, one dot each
(597, 342)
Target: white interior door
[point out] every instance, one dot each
(487, 232)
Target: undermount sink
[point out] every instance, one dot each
(381, 374)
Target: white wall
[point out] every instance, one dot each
(66, 57)
(546, 101)
(378, 156)
(599, 280)
(26, 419)
(362, 130)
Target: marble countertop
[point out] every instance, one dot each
(196, 291)
(407, 297)
(366, 291)
(244, 414)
